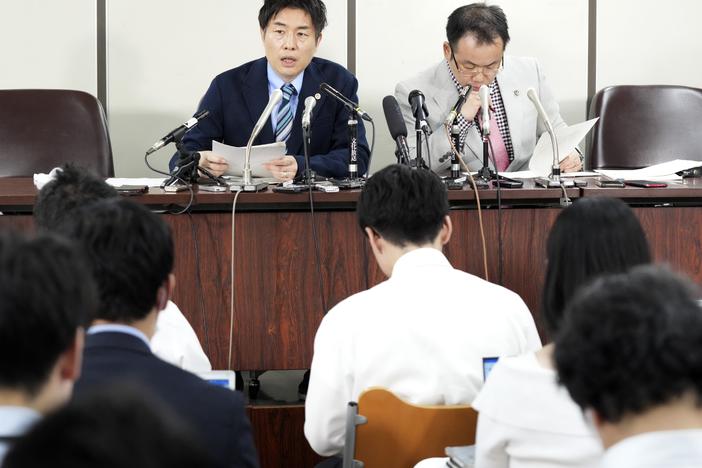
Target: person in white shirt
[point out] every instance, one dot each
(540, 425)
(47, 297)
(175, 340)
(422, 333)
(629, 354)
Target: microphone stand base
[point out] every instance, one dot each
(252, 187)
(547, 182)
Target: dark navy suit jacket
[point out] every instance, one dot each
(215, 413)
(237, 97)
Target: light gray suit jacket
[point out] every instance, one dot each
(518, 75)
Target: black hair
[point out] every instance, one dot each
(591, 237)
(315, 8)
(403, 205)
(72, 188)
(631, 342)
(130, 251)
(485, 22)
(119, 427)
(46, 295)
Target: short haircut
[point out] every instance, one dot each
(46, 295)
(130, 251)
(589, 238)
(315, 8)
(485, 22)
(631, 342)
(403, 205)
(120, 427)
(72, 188)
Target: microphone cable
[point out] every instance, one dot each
(198, 280)
(231, 285)
(477, 198)
(187, 184)
(500, 257)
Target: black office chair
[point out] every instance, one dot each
(43, 128)
(644, 125)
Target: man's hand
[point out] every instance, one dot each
(283, 169)
(217, 165)
(571, 163)
(471, 106)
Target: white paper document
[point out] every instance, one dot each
(567, 138)
(662, 171)
(148, 181)
(260, 155)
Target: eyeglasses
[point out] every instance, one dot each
(472, 70)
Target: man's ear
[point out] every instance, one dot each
(374, 240)
(71, 360)
(446, 230)
(447, 51)
(165, 292)
(319, 40)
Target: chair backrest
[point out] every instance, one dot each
(44, 128)
(644, 125)
(400, 434)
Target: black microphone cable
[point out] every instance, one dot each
(180, 179)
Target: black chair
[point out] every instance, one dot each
(44, 128)
(644, 125)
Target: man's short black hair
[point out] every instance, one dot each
(485, 22)
(119, 427)
(592, 237)
(72, 188)
(631, 342)
(46, 295)
(315, 8)
(403, 205)
(130, 251)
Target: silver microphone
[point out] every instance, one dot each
(484, 92)
(555, 178)
(310, 102)
(531, 93)
(457, 107)
(273, 100)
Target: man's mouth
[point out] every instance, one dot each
(288, 61)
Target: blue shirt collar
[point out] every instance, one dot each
(276, 82)
(119, 328)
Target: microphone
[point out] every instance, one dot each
(310, 102)
(555, 179)
(178, 133)
(352, 106)
(273, 100)
(419, 110)
(457, 107)
(484, 92)
(397, 127)
(540, 109)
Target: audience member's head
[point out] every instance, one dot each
(592, 237)
(402, 209)
(117, 428)
(629, 352)
(130, 252)
(73, 187)
(47, 297)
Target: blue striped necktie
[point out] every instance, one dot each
(285, 114)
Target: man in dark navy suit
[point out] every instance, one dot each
(130, 252)
(291, 31)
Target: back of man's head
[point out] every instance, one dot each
(631, 342)
(46, 295)
(404, 206)
(73, 187)
(130, 251)
(486, 22)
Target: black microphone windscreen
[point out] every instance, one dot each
(393, 116)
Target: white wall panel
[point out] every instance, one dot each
(48, 44)
(396, 40)
(649, 42)
(162, 55)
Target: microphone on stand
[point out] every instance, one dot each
(178, 133)
(397, 127)
(457, 107)
(310, 102)
(554, 180)
(352, 106)
(419, 110)
(484, 92)
(247, 184)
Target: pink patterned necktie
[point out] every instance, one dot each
(497, 144)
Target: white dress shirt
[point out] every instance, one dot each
(14, 422)
(527, 420)
(663, 449)
(175, 341)
(422, 334)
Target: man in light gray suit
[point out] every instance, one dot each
(477, 35)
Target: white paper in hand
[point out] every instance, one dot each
(236, 157)
(567, 137)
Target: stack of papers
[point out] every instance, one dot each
(663, 171)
